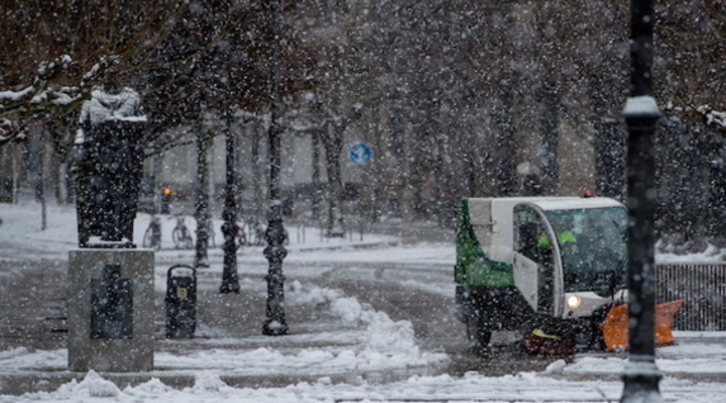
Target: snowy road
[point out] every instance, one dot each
(369, 321)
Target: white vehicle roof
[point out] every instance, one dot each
(491, 218)
(567, 203)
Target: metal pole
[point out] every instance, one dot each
(230, 281)
(275, 252)
(641, 375)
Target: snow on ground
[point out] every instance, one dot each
(372, 340)
(710, 255)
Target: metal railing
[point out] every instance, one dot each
(702, 286)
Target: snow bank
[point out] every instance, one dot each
(386, 343)
(92, 386)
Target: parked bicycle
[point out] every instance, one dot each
(255, 232)
(152, 236)
(240, 238)
(181, 235)
(211, 240)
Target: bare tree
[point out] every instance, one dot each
(691, 37)
(55, 53)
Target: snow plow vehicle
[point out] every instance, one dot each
(552, 268)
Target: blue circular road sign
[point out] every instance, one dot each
(360, 153)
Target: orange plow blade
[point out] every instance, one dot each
(664, 314)
(615, 326)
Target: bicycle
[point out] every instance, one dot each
(211, 240)
(152, 236)
(255, 230)
(181, 236)
(240, 237)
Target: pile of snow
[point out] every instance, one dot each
(472, 387)
(385, 343)
(92, 386)
(713, 117)
(668, 253)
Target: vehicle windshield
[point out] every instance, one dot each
(593, 247)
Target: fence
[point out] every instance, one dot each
(702, 286)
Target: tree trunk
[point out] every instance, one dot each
(504, 158)
(550, 140)
(610, 159)
(333, 144)
(315, 196)
(378, 169)
(202, 205)
(40, 183)
(257, 194)
(158, 168)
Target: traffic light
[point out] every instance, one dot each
(166, 193)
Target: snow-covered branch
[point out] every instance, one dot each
(712, 117)
(44, 97)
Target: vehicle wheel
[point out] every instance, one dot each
(479, 334)
(539, 342)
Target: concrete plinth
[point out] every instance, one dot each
(111, 310)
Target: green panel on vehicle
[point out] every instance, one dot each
(473, 266)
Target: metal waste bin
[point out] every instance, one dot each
(181, 302)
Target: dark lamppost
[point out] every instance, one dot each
(641, 375)
(230, 281)
(275, 252)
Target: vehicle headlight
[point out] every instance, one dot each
(574, 301)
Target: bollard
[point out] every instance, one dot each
(181, 302)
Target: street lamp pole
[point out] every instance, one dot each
(275, 252)
(641, 375)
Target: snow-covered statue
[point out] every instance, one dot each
(109, 149)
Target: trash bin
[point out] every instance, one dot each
(181, 302)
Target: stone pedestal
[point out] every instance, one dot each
(111, 310)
